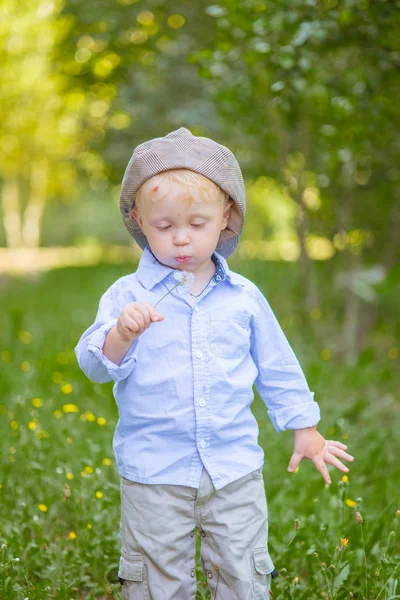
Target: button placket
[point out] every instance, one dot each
(200, 369)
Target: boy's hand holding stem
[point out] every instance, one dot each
(309, 443)
(133, 320)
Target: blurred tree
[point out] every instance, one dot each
(41, 138)
(313, 83)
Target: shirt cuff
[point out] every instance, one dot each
(297, 416)
(95, 346)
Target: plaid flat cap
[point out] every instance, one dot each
(180, 149)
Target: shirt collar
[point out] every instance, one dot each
(150, 271)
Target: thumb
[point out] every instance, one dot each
(294, 462)
(157, 316)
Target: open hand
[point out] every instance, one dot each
(309, 443)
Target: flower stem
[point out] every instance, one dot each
(158, 301)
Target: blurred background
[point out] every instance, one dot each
(305, 93)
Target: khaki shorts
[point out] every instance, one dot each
(158, 554)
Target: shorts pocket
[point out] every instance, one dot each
(263, 567)
(131, 566)
(229, 334)
(133, 576)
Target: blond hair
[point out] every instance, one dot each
(188, 179)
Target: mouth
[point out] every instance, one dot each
(182, 259)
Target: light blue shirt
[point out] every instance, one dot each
(185, 387)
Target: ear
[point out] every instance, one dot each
(227, 213)
(135, 215)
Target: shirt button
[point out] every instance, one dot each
(177, 275)
(203, 444)
(199, 354)
(202, 402)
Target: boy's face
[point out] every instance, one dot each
(182, 234)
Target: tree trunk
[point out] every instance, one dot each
(311, 297)
(389, 259)
(11, 213)
(36, 203)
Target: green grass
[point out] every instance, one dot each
(70, 548)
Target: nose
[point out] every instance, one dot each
(181, 237)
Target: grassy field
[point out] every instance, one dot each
(59, 527)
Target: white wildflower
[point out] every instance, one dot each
(184, 278)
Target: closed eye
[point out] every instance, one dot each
(198, 225)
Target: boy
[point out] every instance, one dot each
(186, 441)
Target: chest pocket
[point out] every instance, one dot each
(229, 334)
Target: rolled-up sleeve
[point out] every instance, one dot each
(89, 350)
(280, 381)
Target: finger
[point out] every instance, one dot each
(138, 317)
(294, 461)
(340, 453)
(337, 444)
(130, 324)
(332, 460)
(322, 468)
(145, 312)
(154, 314)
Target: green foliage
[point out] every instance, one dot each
(44, 441)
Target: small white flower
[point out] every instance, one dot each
(185, 277)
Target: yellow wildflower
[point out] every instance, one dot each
(66, 388)
(14, 425)
(25, 366)
(72, 535)
(58, 414)
(106, 461)
(297, 469)
(350, 502)
(57, 377)
(25, 337)
(90, 416)
(89, 526)
(101, 421)
(344, 541)
(70, 408)
(69, 440)
(6, 356)
(42, 507)
(32, 425)
(89, 469)
(296, 580)
(37, 402)
(345, 479)
(99, 494)
(69, 475)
